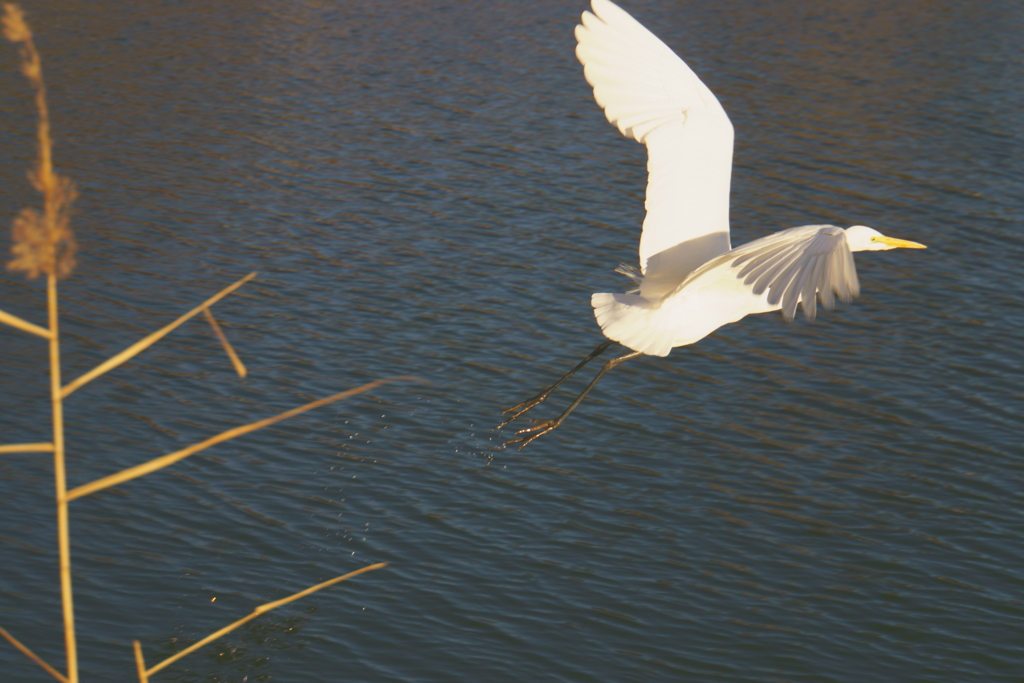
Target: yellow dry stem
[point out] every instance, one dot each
(143, 344)
(27, 448)
(171, 458)
(140, 662)
(24, 325)
(33, 656)
(60, 485)
(239, 367)
(266, 607)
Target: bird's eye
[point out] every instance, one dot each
(875, 238)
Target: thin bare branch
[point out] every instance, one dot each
(140, 662)
(24, 325)
(239, 367)
(257, 612)
(144, 344)
(171, 458)
(33, 656)
(27, 448)
(266, 607)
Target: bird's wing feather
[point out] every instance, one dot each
(793, 266)
(650, 94)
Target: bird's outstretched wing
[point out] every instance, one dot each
(653, 97)
(797, 265)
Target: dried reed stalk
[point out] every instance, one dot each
(33, 656)
(171, 458)
(239, 367)
(143, 344)
(140, 662)
(44, 243)
(23, 325)
(266, 607)
(27, 448)
(60, 483)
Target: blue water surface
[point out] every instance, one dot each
(428, 189)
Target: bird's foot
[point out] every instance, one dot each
(535, 432)
(526, 405)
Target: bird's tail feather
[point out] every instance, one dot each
(633, 321)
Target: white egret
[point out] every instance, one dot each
(691, 281)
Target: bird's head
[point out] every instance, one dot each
(863, 238)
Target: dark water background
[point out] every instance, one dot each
(428, 188)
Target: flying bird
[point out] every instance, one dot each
(691, 281)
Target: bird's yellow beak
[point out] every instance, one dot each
(893, 242)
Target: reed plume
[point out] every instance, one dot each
(43, 241)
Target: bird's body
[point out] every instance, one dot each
(674, 306)
(691, 281)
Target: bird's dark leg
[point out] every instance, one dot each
(544, 426)
(521, 408)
